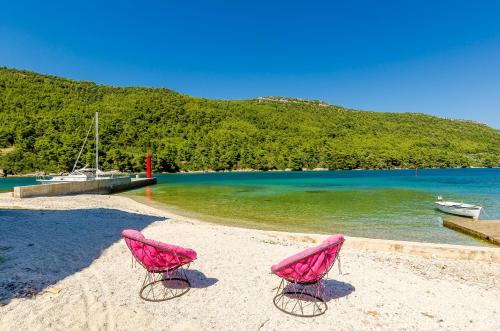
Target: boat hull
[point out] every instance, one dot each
(74, 179)
(65, 179)
(459, 210)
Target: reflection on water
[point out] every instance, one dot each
(148, 194)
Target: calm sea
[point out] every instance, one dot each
(392, 204)
(6, 184)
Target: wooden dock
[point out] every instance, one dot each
(486, 230)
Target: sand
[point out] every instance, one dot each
(66, 268)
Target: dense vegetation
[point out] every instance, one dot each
(44, 121)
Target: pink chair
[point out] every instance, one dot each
(303, 272)
(165, 276)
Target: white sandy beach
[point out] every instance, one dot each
(67, 252)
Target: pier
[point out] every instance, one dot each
(101, 186)
(485, 230)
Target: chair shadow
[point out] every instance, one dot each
(335, 289)
(195, 277)
(41, 247)
(199, 280)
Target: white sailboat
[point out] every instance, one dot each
(83, 174)
(459, 208)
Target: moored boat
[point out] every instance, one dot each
(83, 174)
(459, 208)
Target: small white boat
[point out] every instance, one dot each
(459, 208)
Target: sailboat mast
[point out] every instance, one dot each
(97, 144)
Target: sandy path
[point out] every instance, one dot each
(233, 288)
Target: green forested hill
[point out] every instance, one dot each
(44, 120)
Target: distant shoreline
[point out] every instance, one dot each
(29, 175)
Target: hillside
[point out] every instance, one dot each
(45, 118)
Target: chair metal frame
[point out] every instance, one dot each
(155, 284)
(297, 299)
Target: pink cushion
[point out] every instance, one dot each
(156, 256)
(310, 265)
(181, 251)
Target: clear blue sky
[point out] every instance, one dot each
(435, 57)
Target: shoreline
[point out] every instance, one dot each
(249, 170)
(301, 219)
(251, 224)
(415, 248)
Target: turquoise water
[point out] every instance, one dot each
(6, 184)
(392, 204)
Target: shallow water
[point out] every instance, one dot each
(377, 204)
(393, 204)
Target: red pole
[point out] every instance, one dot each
(148, 165)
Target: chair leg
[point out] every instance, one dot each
(161, 286)
(303, 300)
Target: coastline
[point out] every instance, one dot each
(130, 204)
(89, 282)
(243, 170)
(270, 217)
(423, 248)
